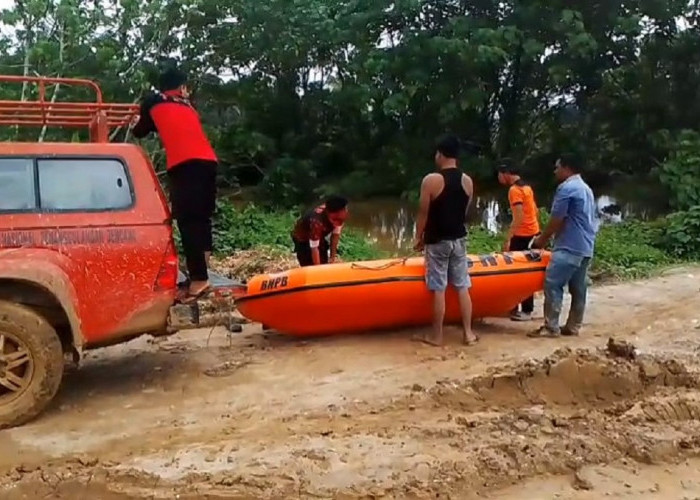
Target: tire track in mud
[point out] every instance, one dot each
(674, 408)
(548, 416)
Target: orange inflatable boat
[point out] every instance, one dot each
(384, 294)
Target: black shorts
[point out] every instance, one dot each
(521, 242)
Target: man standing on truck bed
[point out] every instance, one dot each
(191, 165)
(312, 228)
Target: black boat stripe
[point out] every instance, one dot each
(378, 281)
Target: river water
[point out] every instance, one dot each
(390, 223)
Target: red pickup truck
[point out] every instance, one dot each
(87, 256)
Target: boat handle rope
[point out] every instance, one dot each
(382, 267)
(402, 261)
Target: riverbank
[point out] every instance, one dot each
(389, 222)
(251, 240)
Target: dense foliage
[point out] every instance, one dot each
(305, 96)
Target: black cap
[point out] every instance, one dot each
(171, 78)
(506, 166)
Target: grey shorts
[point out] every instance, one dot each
(446, 261)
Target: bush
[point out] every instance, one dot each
(290, 181)
(629, 251)
(681, 235)
(681, 171)
(482, 241)
(250, 226)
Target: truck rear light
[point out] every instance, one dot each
(167, 274)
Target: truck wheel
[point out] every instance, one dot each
(31, 364)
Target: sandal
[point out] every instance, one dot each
(189, 297)
(470, 342)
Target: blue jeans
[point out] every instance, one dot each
(565, 268)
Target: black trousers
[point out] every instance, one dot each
(520, 243)
(193, 201)
(303, 251)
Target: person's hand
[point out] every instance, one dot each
(506, 245)
(538, 243)
(419, 246)
(135, 119)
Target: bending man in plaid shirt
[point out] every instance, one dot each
(311, 229)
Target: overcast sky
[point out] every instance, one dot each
(4, 4)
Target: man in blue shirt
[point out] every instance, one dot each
(574, 222)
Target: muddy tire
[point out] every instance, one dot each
(31, 364)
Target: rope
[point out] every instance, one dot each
(382, 267)
(536, 253)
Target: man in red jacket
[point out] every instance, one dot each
(191, 168)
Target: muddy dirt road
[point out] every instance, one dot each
(254, 415)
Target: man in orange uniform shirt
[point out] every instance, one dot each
(525, 225)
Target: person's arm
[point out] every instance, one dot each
(315, 254)
(423, 206)
(468, 186)
(144, 125)
(335, 238)
(315, 235)
(515, 200)
(518, 217)
(560, 209)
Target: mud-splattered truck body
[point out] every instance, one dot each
(87, 256)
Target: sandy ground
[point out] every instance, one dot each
(212, 415)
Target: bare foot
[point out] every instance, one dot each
(427, 340)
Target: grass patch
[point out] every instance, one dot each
(630, 251)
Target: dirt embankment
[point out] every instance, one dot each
(255, 415)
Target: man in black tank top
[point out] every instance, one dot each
(440, 230)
